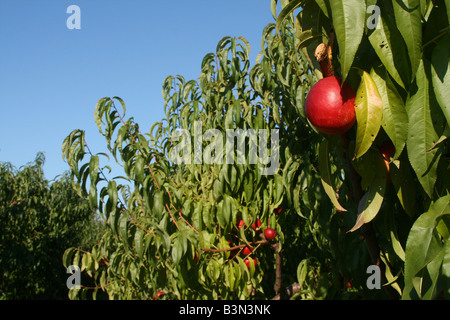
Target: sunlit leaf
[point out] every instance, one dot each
(394, 118)
(287, 10)
(348, 22)
(369, 111)
(390, 48)
(408, 21)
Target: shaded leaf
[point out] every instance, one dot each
(440, 74)
(421, 133)
(370, 203)
(422, 246)
(308, 24)
(325, 174)
(404, 183)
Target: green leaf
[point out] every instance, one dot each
(364, 167)
(103, 279)
(227, 209)
(99, 110)
(205, 239)
(308, 24)
(68, 256)
(371, 202)
(273, 8)
(122, 103)
(369, 111)
(440, 74)
(219, 215)
(349, 22)
(157, 205)
(198, 218)
(404, 184)
(428, 285)
(237, 111)
(302, 272)
(139, 169)
(408, 20)
(421, 134)
(325, 174)
(177, 249)
(287, 10)
(422, 246)
(76, 258)
(396, 244)
(213, 270)
(93, 175)
(391, 49)
(446, 269)
(278, 189)
(447, 6)
(87, 263)
(394, 119)
(229, 119)
(138, 242)
(323, 6)
(123, 230)
(249, 185)
(259, 119)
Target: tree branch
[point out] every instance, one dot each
(277, 286)
(288, 292)
(233, 248)
(367, 230)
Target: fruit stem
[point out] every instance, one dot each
(324, 56)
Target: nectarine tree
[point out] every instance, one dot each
(180, 224)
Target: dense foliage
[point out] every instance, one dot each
(38, 221)
(174, 227)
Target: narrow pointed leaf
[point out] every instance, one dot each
(440, 74)
(139, 241)
(391, 50)
(348, 22)
(287, 10)
(420, 247)
(325, 175)
(369, 111)
(371, 202)
(408, 20)
(394, 119)
(421, 134)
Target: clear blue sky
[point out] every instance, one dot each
(51, 77)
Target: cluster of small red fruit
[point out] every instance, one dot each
(269, 234)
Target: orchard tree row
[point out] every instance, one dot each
(350, 100)
(39, 219)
